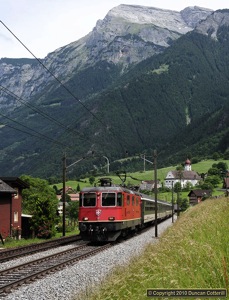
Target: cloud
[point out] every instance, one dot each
(5, 38)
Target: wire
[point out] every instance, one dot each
(42, 135)
(54, 76)
(59, 81)
(116, 136)
(39, 111)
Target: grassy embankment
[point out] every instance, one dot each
(193, 253)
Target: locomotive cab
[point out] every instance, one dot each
(100, 213)
(107, 212)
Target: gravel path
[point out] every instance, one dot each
(81, 277)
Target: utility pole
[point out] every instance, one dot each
(155, 189)
(108, 164)
(178, 195)
(64, 190)
(64, 187)
(172, 204)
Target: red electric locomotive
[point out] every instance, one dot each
(107, 212)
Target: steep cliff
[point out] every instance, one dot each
(135, 83)
(127, 35)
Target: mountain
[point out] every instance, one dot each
(127, 35)
(143, 79)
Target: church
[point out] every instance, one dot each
(184, 177)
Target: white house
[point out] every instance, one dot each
(184, 177)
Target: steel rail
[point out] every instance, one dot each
(9, 254)
(26, 273)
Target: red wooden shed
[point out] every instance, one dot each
(10, 205)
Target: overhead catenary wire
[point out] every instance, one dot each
(39, 135)
(43, 114)
(53, 75)
(64, 86)
(117, 137)
(39, 111)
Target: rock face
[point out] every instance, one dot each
(215, 21)
(193, 15)
(127, 35)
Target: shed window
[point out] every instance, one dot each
(15, 216)
(16, 195)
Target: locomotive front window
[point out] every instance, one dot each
(128, 200)
(119, 199)
(137, 201)
(81, 200)
(89, 199)
(133, 200)
(108, 199)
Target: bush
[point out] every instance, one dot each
(45, 232)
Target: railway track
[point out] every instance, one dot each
(9, 254)
(26, 273)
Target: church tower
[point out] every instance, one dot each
(187, 165)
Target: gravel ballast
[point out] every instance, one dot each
(83, 276)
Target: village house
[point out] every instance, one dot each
(196, 196)
(11, 206)
(226, 184)
(70, 192)
(148, 185)
(184, 177)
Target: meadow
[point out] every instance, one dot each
(200, 167)
(193, 253)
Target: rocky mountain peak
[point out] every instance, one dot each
(214, 21)
(143, 15)
(165, 18)
(130, 33)
(192, 15)
(127, 35)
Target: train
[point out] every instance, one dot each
(108, 212)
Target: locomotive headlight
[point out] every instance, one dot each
(85, 218)
(111, 218)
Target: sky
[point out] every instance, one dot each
(45, 25)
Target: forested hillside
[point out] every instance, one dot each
(175, 102)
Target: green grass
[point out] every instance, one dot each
(205, 165)
(11, 243)
(193, 253)
(201, 167)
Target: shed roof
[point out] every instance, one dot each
(200, 193)
(16, 181)
(5, 188)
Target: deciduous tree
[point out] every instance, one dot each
(40, 201)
